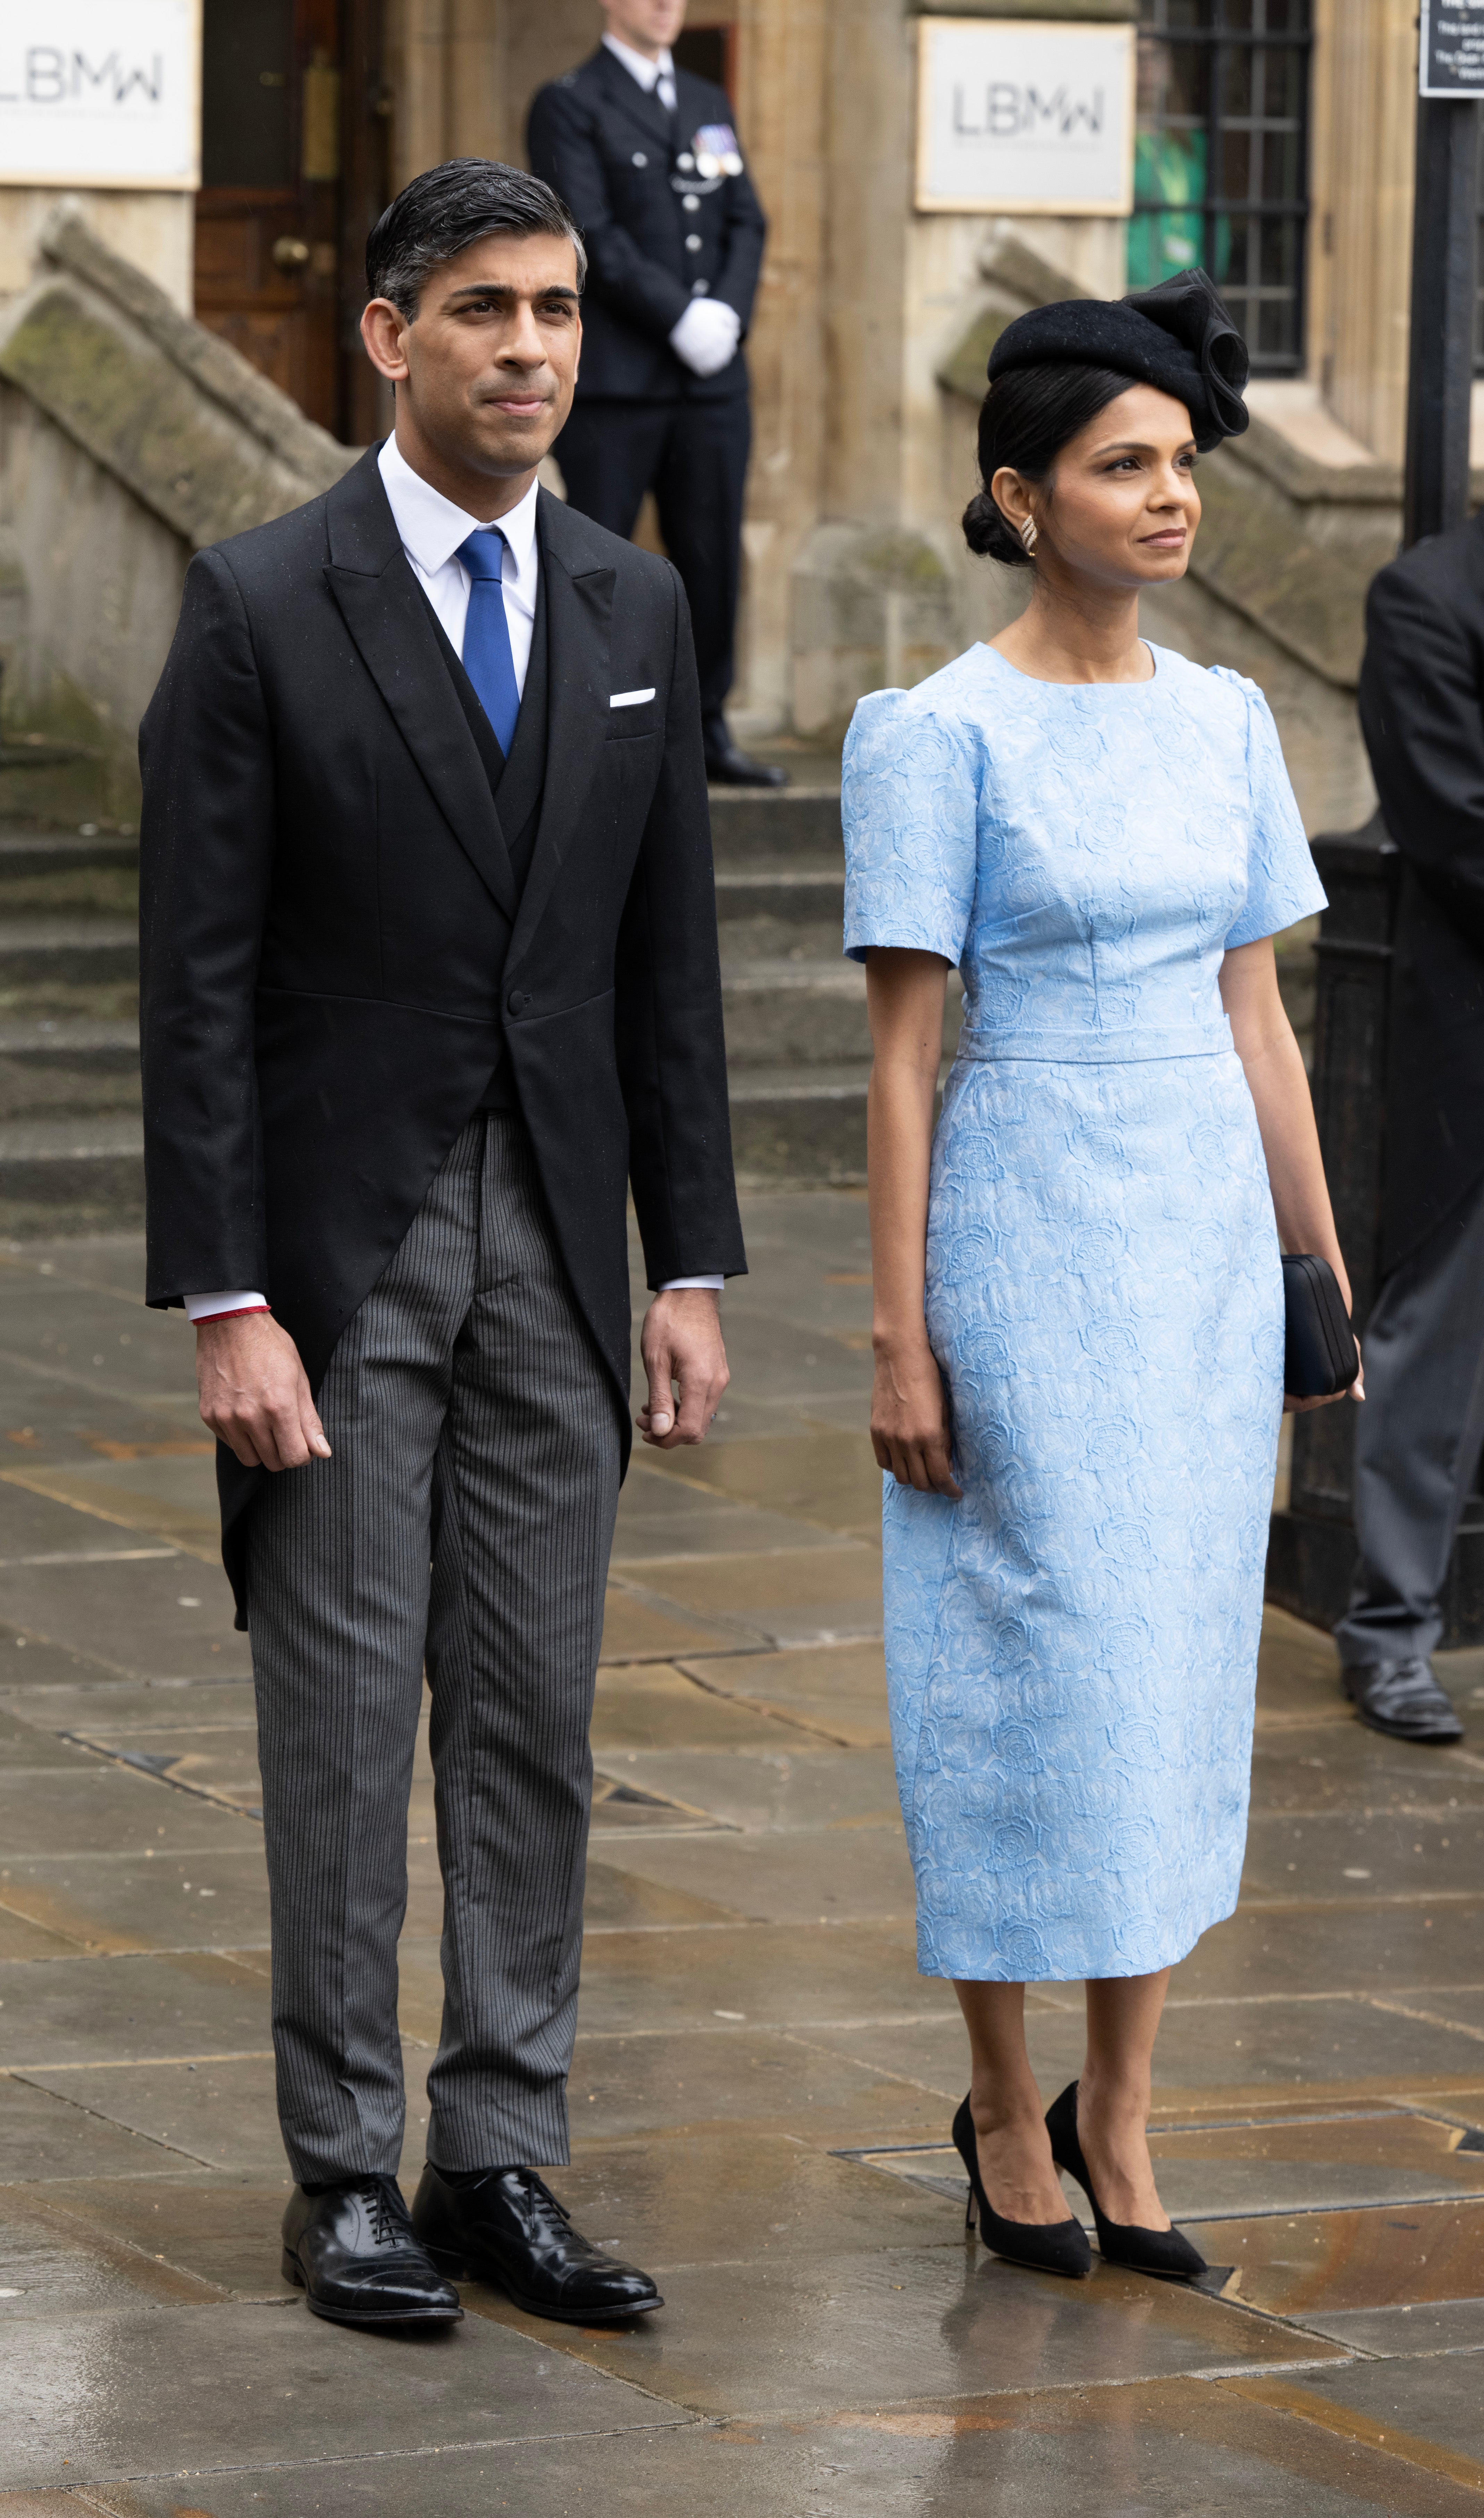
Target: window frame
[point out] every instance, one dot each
(1219, 40)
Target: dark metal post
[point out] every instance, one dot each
(1444, 260)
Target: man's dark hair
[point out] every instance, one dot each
(438, 214)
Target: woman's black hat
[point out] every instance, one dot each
(1178, 337)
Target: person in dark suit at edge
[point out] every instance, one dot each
(645, 156)
(1418, 1438)
(430, 977)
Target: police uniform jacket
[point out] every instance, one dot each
(657, 232)
(1421, 711)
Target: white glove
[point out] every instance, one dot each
(706, 335)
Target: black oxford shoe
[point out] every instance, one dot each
(726, 766)
(1403, 1698)
(510, 2230)
(353, 2249)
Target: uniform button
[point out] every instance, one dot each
(692, 244)
(690, 202)
(639, 158)
(518, 1003)
(684, 162)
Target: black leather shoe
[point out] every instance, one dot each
(510, 2230)
(353, 2250)
(1046, 2246)
(1403, 1698)
(1120, 2242)
(726, 766)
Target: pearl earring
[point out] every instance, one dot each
(1028, 536)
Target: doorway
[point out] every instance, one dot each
(294, 132)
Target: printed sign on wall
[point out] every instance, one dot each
(101, 93)
(1451, 52)
(1027, 115)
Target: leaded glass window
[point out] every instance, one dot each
(1220, 160)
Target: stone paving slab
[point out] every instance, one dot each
(186, 2002)
(229, 2384)
(787, 2338)
(208, 1898)
(767, 1975)
(1375, 1946)
(1305, 2265)
(1153, 2447)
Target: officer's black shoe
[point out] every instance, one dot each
(726, 766)
(1403, 1698)
(506, 2226)
(353, 2250)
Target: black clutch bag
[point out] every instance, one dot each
(1320, 1355)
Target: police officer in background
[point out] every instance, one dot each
(646, 158)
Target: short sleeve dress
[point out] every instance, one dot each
(1072, 1649)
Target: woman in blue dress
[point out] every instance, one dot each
(1078, 1308)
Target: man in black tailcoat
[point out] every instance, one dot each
(1419, 1434)
(429, 980)
(646, 158)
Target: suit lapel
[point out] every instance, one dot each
(641, 105)
(578, 589)
(372, 580)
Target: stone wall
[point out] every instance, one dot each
(129, 438)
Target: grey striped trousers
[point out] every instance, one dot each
(465, 1520)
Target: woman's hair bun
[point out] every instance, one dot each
(990, 536)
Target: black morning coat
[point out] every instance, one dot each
(333, 945)
(1422, 712)
(611, 152)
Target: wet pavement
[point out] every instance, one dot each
(763, 2084)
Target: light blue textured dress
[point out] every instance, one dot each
(1071, 1650)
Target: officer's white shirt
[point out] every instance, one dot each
(431, 529)
(650, 75)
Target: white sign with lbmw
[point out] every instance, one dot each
(101, 93)
(1016, 115)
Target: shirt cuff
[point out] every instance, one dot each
(217, 1307)
(674, 1285)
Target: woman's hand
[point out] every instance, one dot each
(909, 1420)
(1356, 1391)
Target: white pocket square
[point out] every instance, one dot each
(631, 698)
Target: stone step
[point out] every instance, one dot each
(788, 822)
(47, 952)
(71, 1176)
(68, 1066)
(802, 1125)
(781, 892)
(801, 1013)
(24, 852)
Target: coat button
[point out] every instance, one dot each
(690, 202)
(692, 244)
(517, 1002)
(639, 158)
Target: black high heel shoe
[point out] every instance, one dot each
(1163, 2252)
(1049, 2247)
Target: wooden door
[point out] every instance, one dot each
(290, 181)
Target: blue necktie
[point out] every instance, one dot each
(488, 659)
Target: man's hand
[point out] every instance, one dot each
(681, 1342)
(255, 1394)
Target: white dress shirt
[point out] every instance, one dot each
(431, 529)
(650, 75)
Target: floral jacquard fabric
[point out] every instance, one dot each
(1072, 1649)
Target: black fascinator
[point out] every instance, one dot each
(1178, 337)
